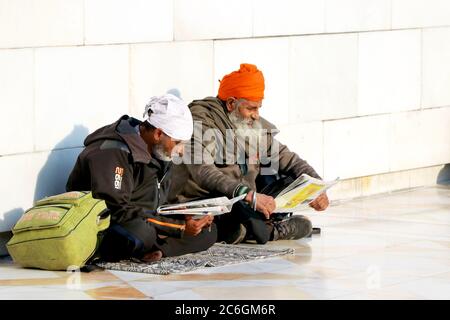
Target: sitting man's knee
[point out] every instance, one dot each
(132, 239)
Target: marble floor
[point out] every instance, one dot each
(394, 246)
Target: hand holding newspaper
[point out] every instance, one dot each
(199, 208)
(295, 197)
(300, 193)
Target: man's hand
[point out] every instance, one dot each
(264, 204)
(320, 203)
(195, 226)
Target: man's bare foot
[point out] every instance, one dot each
(152, 256)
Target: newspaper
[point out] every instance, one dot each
(295, 197)
(300, 193)
(213, 206)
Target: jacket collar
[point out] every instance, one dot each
(128, 129)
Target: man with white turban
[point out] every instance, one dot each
(127, 164)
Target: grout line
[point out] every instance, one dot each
(390, 14)
(357, 73)
(213, 65)
(229, 39)
(34, 113)
(383, 114)
(173, 20)
(39, 151)
(421, 104)
(84, 22)
(253, 17)
(130, 82)
(323, 148)
(338, 202)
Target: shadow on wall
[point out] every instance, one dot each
(9, 218)
(4, 238)
(444, 176)
(53, 176)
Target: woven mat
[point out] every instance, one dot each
(217, 255)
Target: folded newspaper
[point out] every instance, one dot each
(300, 193)
(293, 198)
(213, 206)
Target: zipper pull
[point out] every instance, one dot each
(158, 184)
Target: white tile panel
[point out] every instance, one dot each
(128, 21)
(435, 132)
(389, 71)
(20, 171)
(356, 147)
(346, 189)
(54, 171)
(16, 100)
(407, 146)
(212, 19)
(383, 183)
(77, 91)
(288, 17)
(30, 23)
(323, 77)
(420, 13)
(424, 176)
(419, 139)
(30, 177)
(158, 67)
(436, 67)
(271, 57)
(387, 182)
(357, 15)
(305, 139)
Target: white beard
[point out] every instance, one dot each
(159, 153)
(248, 129)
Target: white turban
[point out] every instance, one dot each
(170, 114)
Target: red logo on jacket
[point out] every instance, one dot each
(118, 178)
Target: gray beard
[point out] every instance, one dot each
(159, 153)
(248, 129)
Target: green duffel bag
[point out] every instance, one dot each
(60, 232)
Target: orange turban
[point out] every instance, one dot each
(247, 83)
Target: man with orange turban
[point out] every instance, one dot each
(233, 152)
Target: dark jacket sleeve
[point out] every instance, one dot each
(112, 180)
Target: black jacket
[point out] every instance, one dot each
(116, 166)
